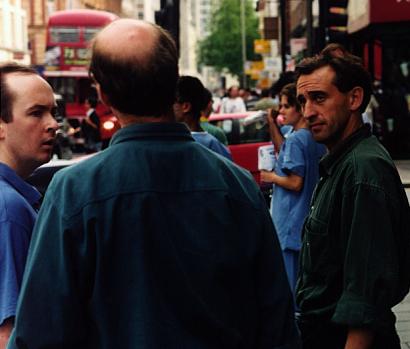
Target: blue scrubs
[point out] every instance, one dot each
(299, 155)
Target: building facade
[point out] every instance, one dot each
(13, 32)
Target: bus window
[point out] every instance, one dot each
(64, 87)
(89, 33)
(64, 34)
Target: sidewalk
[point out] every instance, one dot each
(403, 167)
(402, 310)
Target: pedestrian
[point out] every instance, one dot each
(266, 102)
(355, 257)
(232, 103)
(294, 177)
(27, 134)
(156, 242)
(189, 102)
(215, 131)
(91, 126)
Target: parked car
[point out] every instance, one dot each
(42, 176)
(245, 132)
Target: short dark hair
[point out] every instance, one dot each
(284, 79)
(207, 97)
(289, 91)
(349, 72)
(141, 88)
(92, 101)
(6, 96)
(190, 89)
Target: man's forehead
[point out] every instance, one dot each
(319, 79)
(29, 87)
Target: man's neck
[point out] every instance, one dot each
(22, 170)
(129, 119)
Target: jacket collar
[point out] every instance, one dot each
(329, 162)
(158, 131)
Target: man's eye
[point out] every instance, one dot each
(54, 112)
(36, 113)
(301, 100)
(320, 98)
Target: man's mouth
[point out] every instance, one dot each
(49, 142)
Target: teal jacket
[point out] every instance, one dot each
(156, 242)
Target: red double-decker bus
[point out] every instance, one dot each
(67, 59)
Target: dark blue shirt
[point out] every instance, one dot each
(17, 218)
(155, 242)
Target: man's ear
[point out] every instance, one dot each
(2, 131)
(186, 107)
(356, 98)
(102, 96)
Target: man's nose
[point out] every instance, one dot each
(308, 110)
(52, 125)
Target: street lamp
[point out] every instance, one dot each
(243, 32)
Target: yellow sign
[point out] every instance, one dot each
(261, 46)
(256, 68)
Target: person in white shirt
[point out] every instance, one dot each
(233, 103)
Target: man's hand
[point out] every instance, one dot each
(5, 330)
(267, 177)
(359, 338)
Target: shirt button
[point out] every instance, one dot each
(312, 207)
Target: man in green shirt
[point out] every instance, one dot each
(355, 258)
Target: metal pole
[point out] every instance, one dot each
(283, 33)
(243, 31)
(309, 27)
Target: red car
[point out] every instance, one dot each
(245, 132)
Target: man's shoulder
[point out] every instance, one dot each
(12, 203)
(369, 163)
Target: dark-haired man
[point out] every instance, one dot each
(27, 133)
(155, 242)
(355, 258)
(187, 108)
(91, 126)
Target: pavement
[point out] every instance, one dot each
(402, 310)
(403, 166)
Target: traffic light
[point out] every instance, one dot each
(334, 19)
(168, 18)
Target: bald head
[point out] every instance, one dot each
(128, 40)
(135, 64)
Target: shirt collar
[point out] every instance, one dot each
(26, 190)
(328, 163)
(153, 130)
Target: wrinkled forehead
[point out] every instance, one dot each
(320, 79)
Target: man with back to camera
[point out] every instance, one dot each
(27, 133)
(155, 242)
(355, 256)
(190, 100)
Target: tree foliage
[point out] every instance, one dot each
(223, 47)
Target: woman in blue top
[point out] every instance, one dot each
(294, 177)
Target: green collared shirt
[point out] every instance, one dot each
(356, 241)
